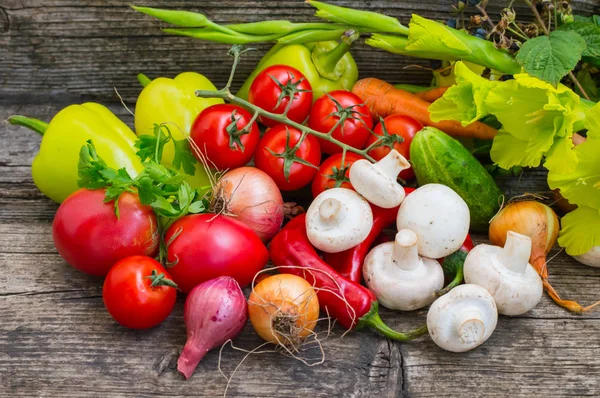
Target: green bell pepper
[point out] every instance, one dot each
(54, 169)
(174, 103)
(326, 65)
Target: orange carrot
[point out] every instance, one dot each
(432, 94)
(384, 99)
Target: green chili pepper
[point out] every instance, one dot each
(54, 169)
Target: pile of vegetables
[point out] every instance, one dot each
(193, 201)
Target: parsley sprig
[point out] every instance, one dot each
(162, 188)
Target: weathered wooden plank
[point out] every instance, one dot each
(70, 49)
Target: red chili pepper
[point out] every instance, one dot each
(353, 305)
(349, 262)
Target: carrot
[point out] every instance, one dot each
(383, 100)
(433, 94)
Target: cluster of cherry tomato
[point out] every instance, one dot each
(290, 157)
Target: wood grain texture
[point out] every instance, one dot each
(57, 340)
(69, 50)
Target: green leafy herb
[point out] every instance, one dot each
(151, 147)
(580, 230)
(184, 158)
(552, 57)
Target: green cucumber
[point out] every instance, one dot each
(438, 158)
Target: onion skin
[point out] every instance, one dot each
(250, 196)
(287, 295)
(533, 219)
(215, 311)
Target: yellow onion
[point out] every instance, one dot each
(283, 309)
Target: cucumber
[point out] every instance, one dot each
(438, 158)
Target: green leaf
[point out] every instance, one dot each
(185, 195)
(580, 230)
(509, 151)
(552, 57)
(152, 146)
(581, 186)
(163, 207)
(587, 82)
(197, 207)
(464, 101)
(590, 32)
(184, 158)
(592, 122)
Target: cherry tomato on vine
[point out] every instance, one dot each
(291, 166)
(399, 131)
(331, 174)
(220, 134)
(138, 292)
(348, 107)
(272, 89)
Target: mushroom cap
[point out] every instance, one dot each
(338, 219)
(378, 182)
(515, 293)
(462, 319)
(439, 217)
(398, 288)
(591, 257)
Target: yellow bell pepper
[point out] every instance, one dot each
(54, 169)
(173, 102)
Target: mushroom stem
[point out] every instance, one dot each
(470, 327)
(331, 212)
(393, 163)
(405, 253)
(515, 254)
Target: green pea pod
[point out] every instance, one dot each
(373, 21)
(219, 37)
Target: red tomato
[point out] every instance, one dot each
(89, 236)
(326, 113)
(284, 153)
(331, 174)
(396, 126)
(206, 246)
(226, 146)
(272, 88)
(131, 299)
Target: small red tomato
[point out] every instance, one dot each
(206, 246)
(272, 89)
(331, 174)
(289, 166)
(400, 132)
(138, 292)
(330, 108)
(89, 236)
(219, 134)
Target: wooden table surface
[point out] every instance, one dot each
(56, 338)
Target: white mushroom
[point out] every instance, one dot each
(377, 182)
(506, 274)
(591, 257)
(338, 219)
(401, 279)
(462, 319)
(438, 216)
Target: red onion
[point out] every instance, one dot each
(252, 197)
(215, 311)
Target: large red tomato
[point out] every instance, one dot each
(328, 110)
(272, 88)
(90, 237)
(206, 246)
(400, 131)
(138, 292)
(332, 174)
(291, 168)
(219, 134)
